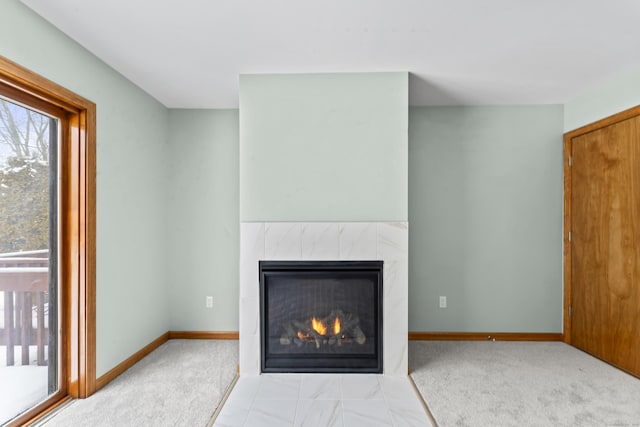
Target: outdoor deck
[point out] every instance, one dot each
(24, 331)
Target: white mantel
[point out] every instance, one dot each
(320, 241)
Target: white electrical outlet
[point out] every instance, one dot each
(443, 302)
(209, 302)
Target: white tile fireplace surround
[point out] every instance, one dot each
(315, 241)
(348, 400)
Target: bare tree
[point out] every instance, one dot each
(24, 131)
(24, 178)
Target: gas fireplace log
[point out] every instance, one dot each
(319, 339)
(301, 332)
(288, 335)
(347, 321)
(309, 332)
(301, 326)
(350, 326)
(359, 335)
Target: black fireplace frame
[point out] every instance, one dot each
(324, 363)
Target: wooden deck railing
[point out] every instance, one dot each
(24, 279)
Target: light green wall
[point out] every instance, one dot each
(614, 95)
(323, 147)
(131, 181)
(203, 234)
(485, 215)
(484, 199)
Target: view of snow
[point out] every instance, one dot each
(5, 151)
(24, 226)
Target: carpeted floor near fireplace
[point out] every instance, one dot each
(179, 384)
(464, 383)
(484, 383)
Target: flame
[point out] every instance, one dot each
(336, 326)
(318, 326)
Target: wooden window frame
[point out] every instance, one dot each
(77, 222)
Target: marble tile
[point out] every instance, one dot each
(249, 354)
(319, 413)
(231, 416)
(283, 241)
(395, 317)
(320, 241)
(393, 240)
(358, 241)
(272, 413)
(408, 413)
(236, 408)
(243, 393)
(365, 413)
(395, 353)
(251, 250)
(279, 387)
(361, 386)
(397, 388)
(249, 322)
(395, 286)
(277, 400)
(321, 386)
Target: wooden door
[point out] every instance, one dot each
(605, 243)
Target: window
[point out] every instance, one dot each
(61, 144)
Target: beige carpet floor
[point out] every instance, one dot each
(484, 383)
(178, 384)
(465, 383)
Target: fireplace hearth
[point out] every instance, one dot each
(321, 316)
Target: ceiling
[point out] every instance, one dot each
(189, 53)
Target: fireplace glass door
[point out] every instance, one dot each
(321, 316)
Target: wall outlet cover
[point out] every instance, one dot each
(443, 302)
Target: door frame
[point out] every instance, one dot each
(568, 149)
(77, 222)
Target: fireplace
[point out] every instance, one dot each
(321, 316)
